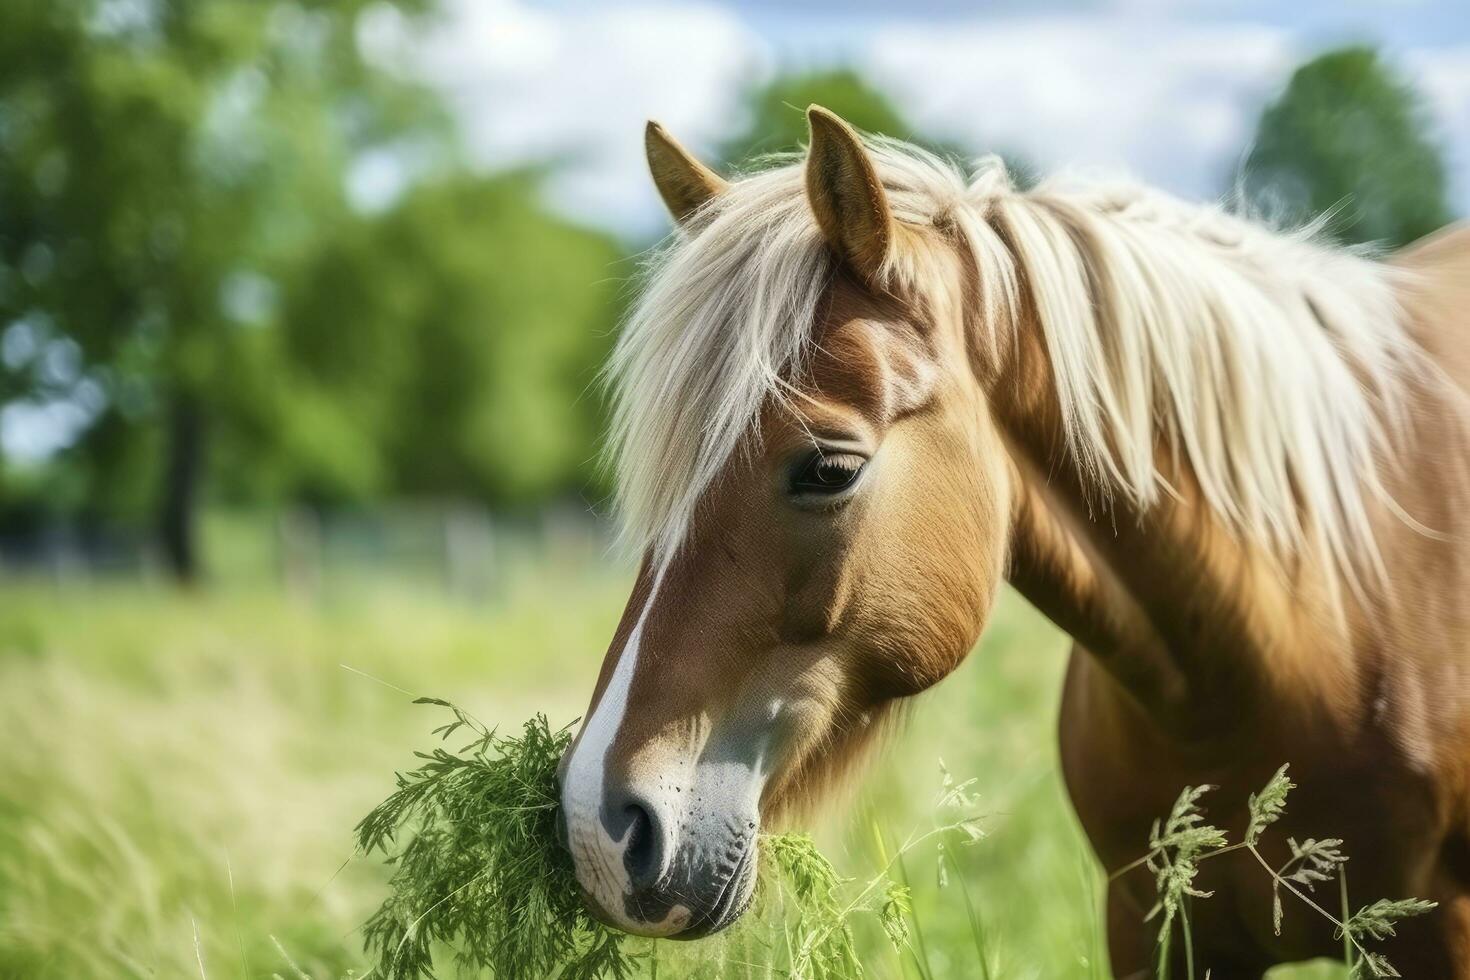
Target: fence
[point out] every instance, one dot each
(462, 549)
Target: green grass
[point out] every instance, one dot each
(181, 774)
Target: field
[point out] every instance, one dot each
(181, 772)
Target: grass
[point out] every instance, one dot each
(1180, 842)
(477, 871)
(181, 776)
(479, 867)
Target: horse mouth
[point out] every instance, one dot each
(733, 894)
(731, 903)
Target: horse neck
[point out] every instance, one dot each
(1168, 600)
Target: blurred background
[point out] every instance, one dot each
(301, 311)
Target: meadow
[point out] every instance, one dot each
(182, 771)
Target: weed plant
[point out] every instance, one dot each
(479, 876)
(1180, 842)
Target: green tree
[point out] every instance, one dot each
(461, 331)
(777, 112)
(162, 164)
(1348, 136)
(777, 118)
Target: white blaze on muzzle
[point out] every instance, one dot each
(701, 805)
(598, 858)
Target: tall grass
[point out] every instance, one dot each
(1182, 841)
(181, 765)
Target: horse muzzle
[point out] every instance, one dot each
(664, 858)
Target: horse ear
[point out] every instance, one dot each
(846, 195)
(683, 182)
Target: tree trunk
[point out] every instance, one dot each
(183, 469)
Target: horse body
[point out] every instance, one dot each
(861, 392)
(1375, 724)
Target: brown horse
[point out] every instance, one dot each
(862, 389)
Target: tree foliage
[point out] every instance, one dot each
(161, 164)
(777, 113)
(451, 346)
(1349, 136)
(186, 277)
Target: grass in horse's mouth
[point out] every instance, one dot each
(479, 874)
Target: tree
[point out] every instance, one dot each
(161, 165)
(1348, 136)
(448, 346)
(777, 114)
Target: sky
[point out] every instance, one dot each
(1165, 91)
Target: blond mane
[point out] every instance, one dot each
(1270, 361)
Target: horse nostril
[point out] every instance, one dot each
(644, 854)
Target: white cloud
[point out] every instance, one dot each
(1443, 75)
(1172, 103)
(1170, 100)
(578, 84)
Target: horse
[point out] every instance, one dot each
(861, 388)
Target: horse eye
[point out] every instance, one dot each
(826, 474)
